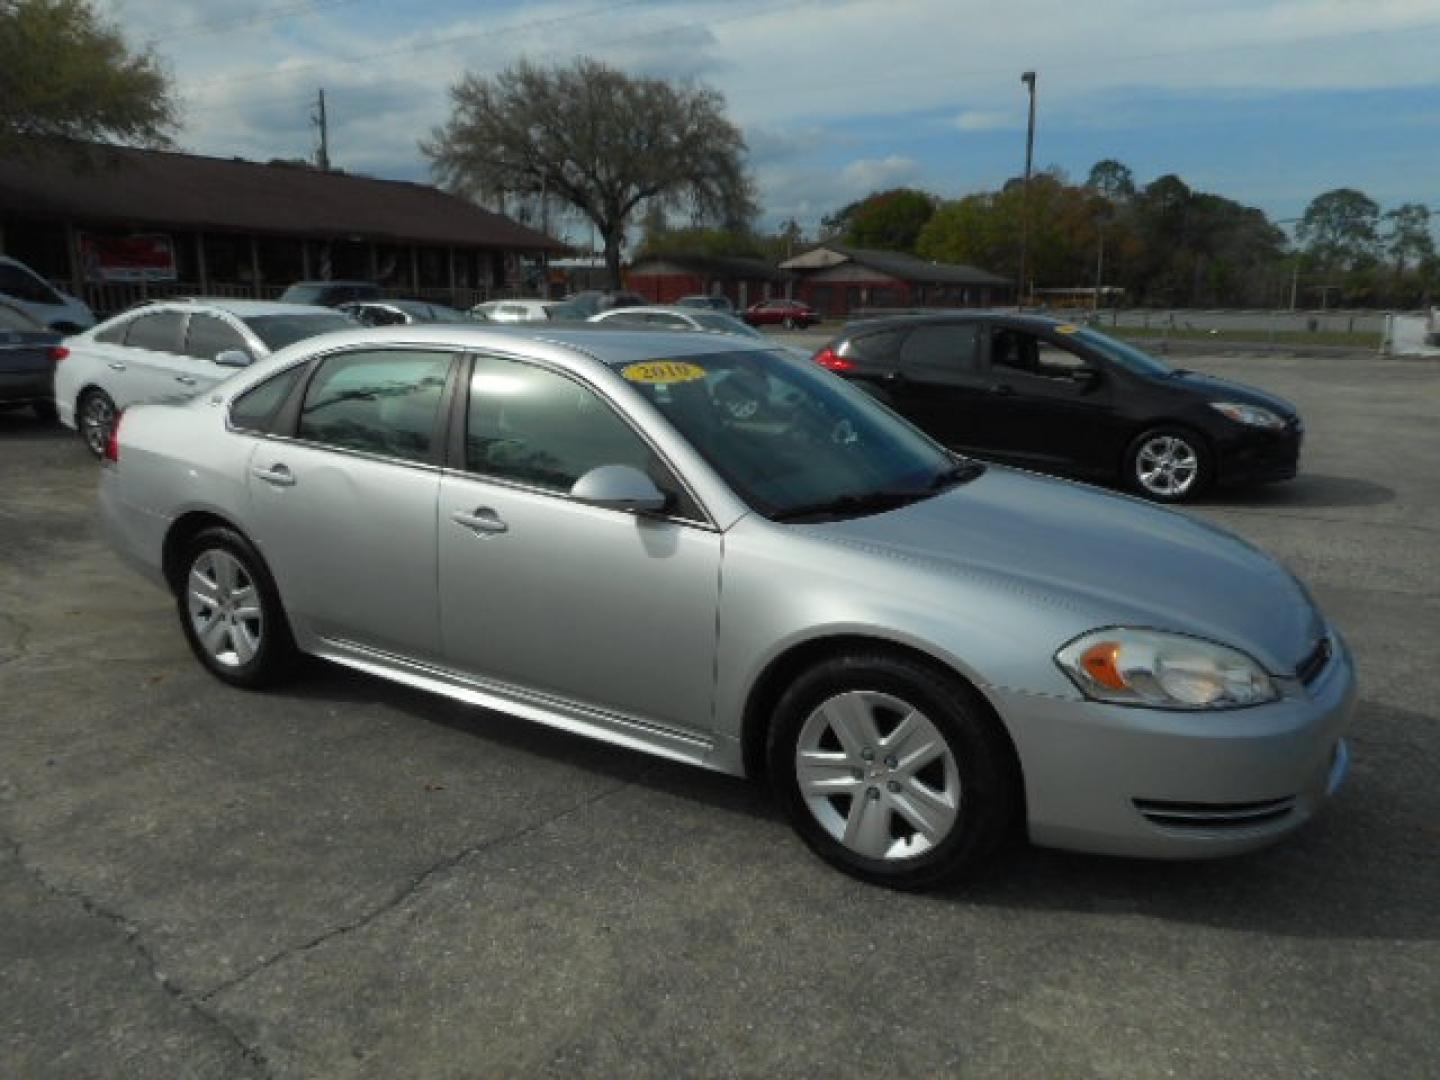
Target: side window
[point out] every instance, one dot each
(24, 285)
(252, 410)
(207, 337)
(941, 353)
(15, 319)
(881, 348)
(159, 331)
(114, 334)
(383, 402)
(664, 318)
(536, 427)
(1016, 352)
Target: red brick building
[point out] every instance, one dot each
(663, 279)
(836, 279)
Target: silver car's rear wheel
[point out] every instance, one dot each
(230, 609)
(96, 418)
(226, 611)
(877, 775)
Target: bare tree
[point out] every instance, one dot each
(598, 139)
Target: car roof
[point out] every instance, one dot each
(241, 309)
(648, 309)
(1016, 319)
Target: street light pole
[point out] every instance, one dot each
(1028, 78)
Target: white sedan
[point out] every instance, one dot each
(514, 311)
(172, 349)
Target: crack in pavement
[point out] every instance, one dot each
(405, 892)
(131, 934)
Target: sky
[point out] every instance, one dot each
(1268, 102)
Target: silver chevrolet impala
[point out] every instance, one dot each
(692, 545)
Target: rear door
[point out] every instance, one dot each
(26, 364)
(151, 365)
(940, 384)
(343, 500)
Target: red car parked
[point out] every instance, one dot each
(787, 313)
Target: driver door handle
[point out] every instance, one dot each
(116, 365)
(278, 475)
(483, 520)
(188, 380)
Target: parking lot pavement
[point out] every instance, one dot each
(349, 878)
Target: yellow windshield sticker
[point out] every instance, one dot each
(1067, 328)
(655, 372)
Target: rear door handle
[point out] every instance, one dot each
(116, 365)
(483, 520)
(278, 475)
(188, 380)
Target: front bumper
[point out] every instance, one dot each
(1159, 784)
(1253, 456)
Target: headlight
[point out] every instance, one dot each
(1250, 415)
(1163, 671)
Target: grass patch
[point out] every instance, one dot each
(1354, 339)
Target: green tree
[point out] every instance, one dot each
(600, 140)
(1339, 229)
(1407, 235)
(890, 220)
(66, 74)
(1112, 180)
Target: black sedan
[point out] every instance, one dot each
(1060, 397)
(28, 352)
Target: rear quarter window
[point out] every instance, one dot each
(880, 348)
(254, 409)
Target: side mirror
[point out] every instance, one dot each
(236, 358)
(619, 487)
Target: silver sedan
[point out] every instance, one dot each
(693, 546)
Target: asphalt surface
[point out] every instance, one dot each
(350, 879)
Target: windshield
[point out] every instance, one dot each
(277, 331)
(714, 320)
(1127, 356)
(793, 441)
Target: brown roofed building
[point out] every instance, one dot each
(836, 279)
(116, 222)
(663, 279)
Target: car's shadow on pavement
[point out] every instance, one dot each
(1364, 868)
(1309, 491)
(22, 424)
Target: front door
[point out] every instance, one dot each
(1049, 406)
(597, 607)
(344, 508)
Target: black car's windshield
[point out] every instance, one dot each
(1127, 356)
(277, 331)
(794, 442)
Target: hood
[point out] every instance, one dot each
(1217, 389)
(1117, 560)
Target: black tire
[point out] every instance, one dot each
(251, 653)
(95, 416)
(1190, 472)
(983, 785)
(45, 411)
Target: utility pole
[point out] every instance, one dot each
(322, 155)
(1028, 78)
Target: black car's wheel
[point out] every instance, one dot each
(45, 411)
(231, 612)
(95, 416)
(1168, 464)
(891, 771)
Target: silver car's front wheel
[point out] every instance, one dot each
(226, 613)
(891, 768)
(877, 775)
(230, 609)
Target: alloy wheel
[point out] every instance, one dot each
(1167, 466)
(225, 608)
(878, 775)
(97, 417)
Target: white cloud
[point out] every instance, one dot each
(986, 120)
(870, 174)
